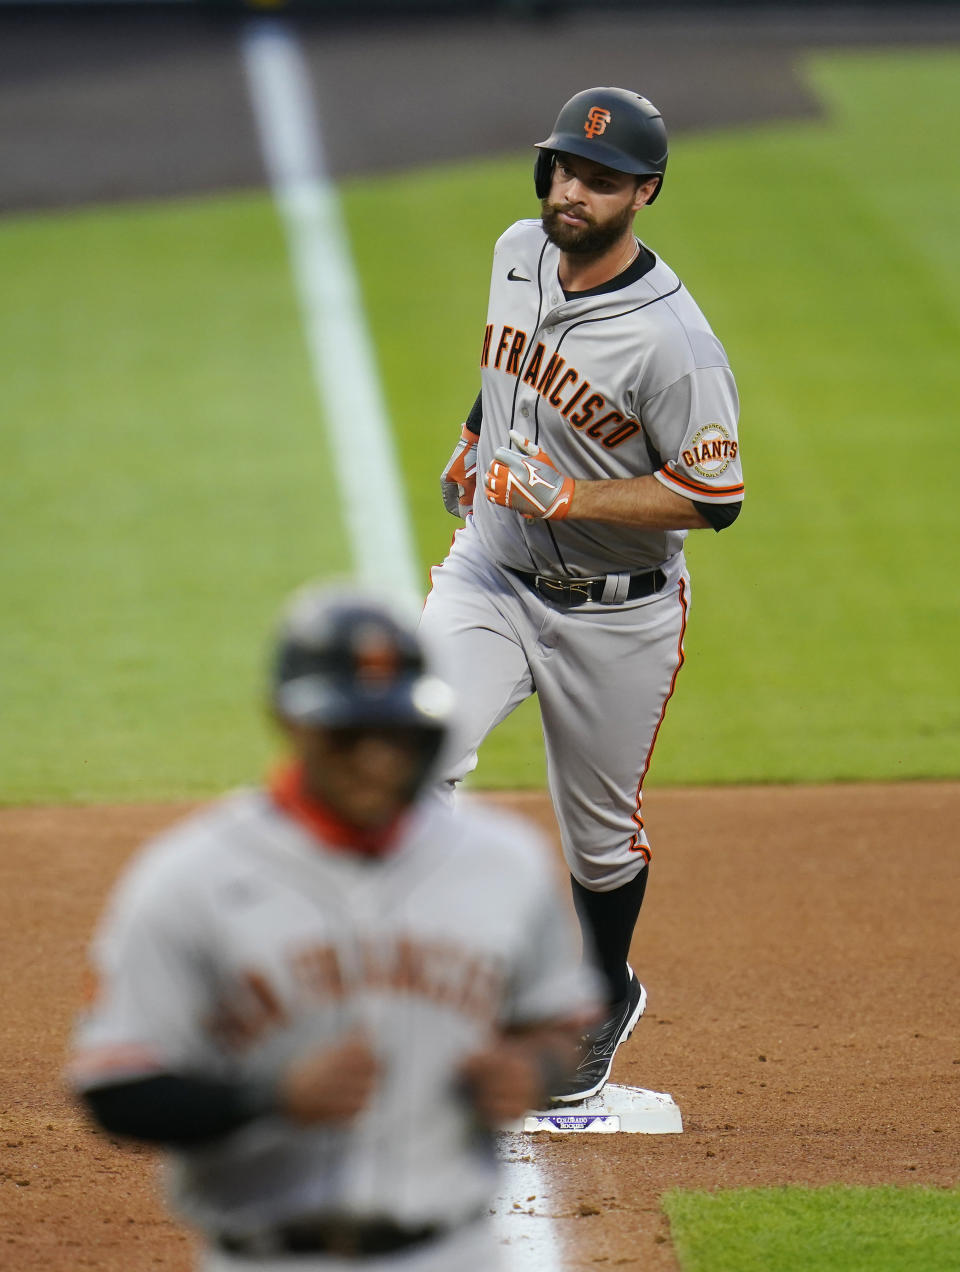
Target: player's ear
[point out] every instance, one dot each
(645, 192)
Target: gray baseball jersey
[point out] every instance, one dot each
(627, 380)
(623, 383)
(238, 940)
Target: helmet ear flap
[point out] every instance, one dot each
(543, 172)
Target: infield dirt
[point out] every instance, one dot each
(800, 952)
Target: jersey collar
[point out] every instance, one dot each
(288, 792)
(642, 264)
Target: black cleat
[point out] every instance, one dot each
(600, 1046)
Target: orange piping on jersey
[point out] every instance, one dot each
(688, 482)
(636, 846)
(637, 816)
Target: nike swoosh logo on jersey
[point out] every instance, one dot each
(514, 277)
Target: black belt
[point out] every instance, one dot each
(608, 589)
(347, 1237)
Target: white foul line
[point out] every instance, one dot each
(526, 1235)
(342, 360)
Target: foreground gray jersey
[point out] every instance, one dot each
(620, 384)
(237, 940)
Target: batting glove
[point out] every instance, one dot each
(529, 481)
(458, 481)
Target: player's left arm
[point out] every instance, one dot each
(527, 480)
(638, 501)
(329, 1084)
(645, 502)
(693, 422)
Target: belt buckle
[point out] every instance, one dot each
(573, 593)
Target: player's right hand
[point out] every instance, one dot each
(330, 1084)
(458, 481)
(528, 480)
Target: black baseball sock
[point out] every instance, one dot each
(607, 920)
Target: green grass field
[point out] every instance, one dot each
(166, 484)
(166, 476)
(816, 1229)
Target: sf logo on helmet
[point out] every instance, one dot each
(597, 120)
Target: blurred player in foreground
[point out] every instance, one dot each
(319, 995)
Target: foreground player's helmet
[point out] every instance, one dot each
(344, 660)
(612, 126)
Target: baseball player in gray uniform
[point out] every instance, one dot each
(605, 430)
(320, 996)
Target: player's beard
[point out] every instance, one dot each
(592, 239)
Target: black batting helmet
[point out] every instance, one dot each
(344, 660)
(612, 126)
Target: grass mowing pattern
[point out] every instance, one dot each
(169, 488)
(830, 1229)
(169, 477)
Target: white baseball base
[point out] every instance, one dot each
(632, 1110)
